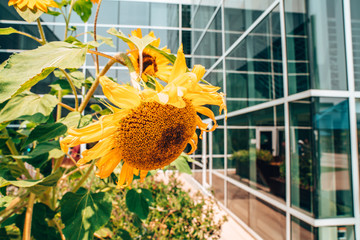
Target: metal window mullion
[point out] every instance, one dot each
(180, 23)
(286, 120)
(352, 115)
(206, 28)
(247, 32)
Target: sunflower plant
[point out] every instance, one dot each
(47, 185)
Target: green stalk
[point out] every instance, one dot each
(96, 83)
(72, 88)
(83, 179)
(11, 146)
(67, 20)
(41, 30)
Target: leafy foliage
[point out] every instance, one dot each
(83, 213)
(25, 69)
(175, 215)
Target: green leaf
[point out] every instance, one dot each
(181, 164)
(53, 13)
(106, 40)
(169, 56)
(28, 106)
(25, 69)
(40, 228)
(96, 107)
(83, 9)
(138, 200)
(83, 213)
(45, 132)
(123, 234)
(85, 120)
(29, 15)
(7, 31)
(140, 43)
(71, 120)
(49, 181)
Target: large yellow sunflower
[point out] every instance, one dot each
(149, 128)
(154, 64)
(33, 4)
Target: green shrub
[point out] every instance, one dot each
(174, 214)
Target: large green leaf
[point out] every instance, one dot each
(169, 56)
(140, 43)
(83, 9)
(83, 213)
(137, 201)
(71, 120)
(50, 180)
(28, 106)
(42, 154)
(181, 163)
(40, 228)
(45, 132)
(25, 69)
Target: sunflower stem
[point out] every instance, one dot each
(30, 36)
(95, 38)
(96, 83)
(140, 64)
(12, 148)
(67, 20)
(29, 213)
(83, 179)
(66, 106)
(41, 30)
(72, 88)
(58, 113)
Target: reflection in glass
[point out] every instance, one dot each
(217, 188)
(238, 16)
(268, 221)
(355, 23)
(210, 45)
(320, 157)
(238, 202)
(254, 67)
(256, 142)
(315, 45)
(152, 14)
(301, 230)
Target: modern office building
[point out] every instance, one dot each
(285, 164)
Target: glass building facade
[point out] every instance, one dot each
(285, 163)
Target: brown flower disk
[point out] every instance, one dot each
(154, 135)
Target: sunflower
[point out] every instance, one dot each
(148, 128)
(33, 4)
(154, 64)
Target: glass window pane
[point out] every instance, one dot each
(315, 45)
(254, 67)
(238, 16)
(257, 147)
(301, 230)
(268, 221)
(217, 188)
(355, 23)
(320, 157)
(152, 14)
(238, 202)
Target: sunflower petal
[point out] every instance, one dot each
(108, 163)
(126, 176)
(123, 96)
(179, 65)
(207, 112)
